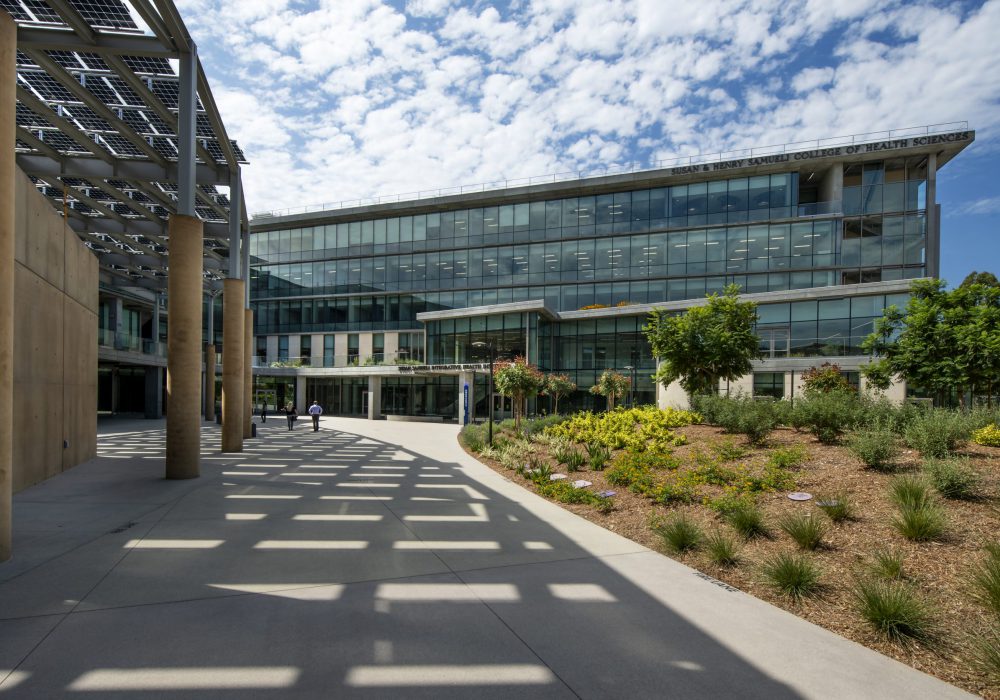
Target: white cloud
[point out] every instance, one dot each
(342, 100)
(984, 206)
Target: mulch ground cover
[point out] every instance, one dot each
(938, 570)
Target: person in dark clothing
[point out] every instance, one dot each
(263, 411)
(291, 414)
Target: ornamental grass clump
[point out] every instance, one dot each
(599, 456)
(893, 609)
(985, 579)
(794, 575)
(919, 517)
(722, 549)
(805, 530)
(473, 437)
(909, 491)
(680, 533)
(748, 520)
(575, 460)
(953, 477)
(839, 506)
(876, 446)
(887, 564)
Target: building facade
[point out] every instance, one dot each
(375, 310)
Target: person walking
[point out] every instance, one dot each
(291, 414)
(263, 411)
(315, 410)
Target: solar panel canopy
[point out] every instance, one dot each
(98, 98)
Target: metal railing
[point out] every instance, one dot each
(629, 168)
(128, 342)
(390, 359)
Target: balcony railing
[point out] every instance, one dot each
(401, 357)
(127, 342)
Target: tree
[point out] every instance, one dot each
(824, 379)
(945, 340)
(611, 385)
(987, 279)
(557, 386)
(707, 343)
(517, 379)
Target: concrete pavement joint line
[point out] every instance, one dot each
(493, 612)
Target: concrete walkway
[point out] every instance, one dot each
(374, 560)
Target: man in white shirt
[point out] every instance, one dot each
(315, 410)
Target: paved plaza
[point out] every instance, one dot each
(374, 559)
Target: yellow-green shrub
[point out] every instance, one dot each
(988, 436)
(637, 429)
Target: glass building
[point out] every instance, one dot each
(375, 309)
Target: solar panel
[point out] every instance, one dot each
(122, 88)
(100, 89)
(215, 150)
(240, 157)
(24, 60)
(86, 118)
(137, 120)
(45, 86)
(164, 146)
(66, 59)
(59, 141)
(120, 146)
(93, 61)
(110, 14)
(148, 65)
(28, 119)
(168, 92)
(204, 127)
(42, 12)
(16, 11)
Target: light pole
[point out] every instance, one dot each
(491, 353)
(631, 385)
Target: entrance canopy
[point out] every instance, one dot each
(98, 103)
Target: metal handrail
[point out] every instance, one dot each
(634, 167)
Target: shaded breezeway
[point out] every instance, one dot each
(374, 559)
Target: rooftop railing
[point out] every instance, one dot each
(635, 167)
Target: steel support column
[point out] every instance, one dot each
(8, 99)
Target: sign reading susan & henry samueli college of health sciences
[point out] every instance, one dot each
(832, 152)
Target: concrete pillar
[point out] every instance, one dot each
(466, 379)
(156, 324)
(184, 293)
(233, 319)
(8, 98)
(210, 383)
(300, 395)
(374, 398)
(154, 393)
(247, 371)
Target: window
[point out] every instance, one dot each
(769, 384)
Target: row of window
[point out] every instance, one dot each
(869, 242)
(400, 311)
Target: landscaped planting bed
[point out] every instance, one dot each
(877, 554)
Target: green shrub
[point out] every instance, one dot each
(679, 534)
(988, 436)
(728, 451)
(730, 501)
(787, 457)
(909, 491)
(805, 530)
(746, 416)
(635, 470)
(567, 493)
(575, 460)
(473, 437)
(673, 492)
(748, 520)
(893, 609)
(887, 564)
(535, 426)
(837, 506)
(876, 446)
(710, 407)
(938, 432)
(541, 474)
(828, 415)
(515, 454)
(953, 477)
(986, 578)
(791, 574)
(722, 549)
(921, 523)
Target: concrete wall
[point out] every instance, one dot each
(55, 343)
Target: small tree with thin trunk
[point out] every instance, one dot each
(517, 379)
(612, 386)
(557, 386)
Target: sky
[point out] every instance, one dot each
(337, 100)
